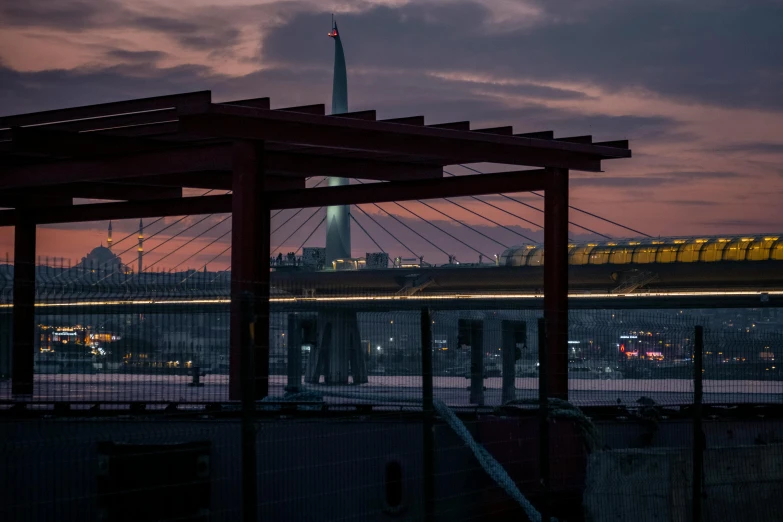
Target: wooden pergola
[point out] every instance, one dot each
(142, 153)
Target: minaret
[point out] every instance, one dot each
(108, 240)
(338, 218)
(141, 244)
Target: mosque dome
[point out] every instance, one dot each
(102, 257)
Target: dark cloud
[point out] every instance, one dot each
(69, 15)
(719, 53)
(136, 56)
(756, 147)
(650, 180)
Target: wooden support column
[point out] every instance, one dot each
(23, 355)
(249, 265)
(556, 280)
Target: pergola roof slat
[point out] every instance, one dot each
(185, 101)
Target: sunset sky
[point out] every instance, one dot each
(696, 86)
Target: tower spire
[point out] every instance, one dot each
(108, 240)
(141, 244)
(338, 218)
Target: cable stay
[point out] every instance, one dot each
(275, 214)
(366, 234)
(463, 224)
(385, 230)
(578, 210)
(410, 228)
(200, 250)
(297, 230)
(311, 235)
(207, 263)
(440, 229)
(189, 241)
(490, 220)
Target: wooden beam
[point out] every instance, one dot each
(474, 185)
(22, 359)
(556, 281)
(185, 159)
(480, 184)
(455, 125)
(503, 131)
(260, 103)
(540, 135)
(200, 163)
(422, 143)
(408, 120)
(318, 109)
(41, 141)
(358, 115)
(186, 102)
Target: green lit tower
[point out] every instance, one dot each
(338, 218)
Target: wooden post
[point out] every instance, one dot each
(428, 437)
(294, 343)
(249, 264)
(23, 355)
(471, 332)
(543, 417)
(698, 433)
(556, 280)
(248, 320)
(513, 333)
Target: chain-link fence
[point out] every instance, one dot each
(357, 420)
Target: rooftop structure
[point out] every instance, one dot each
(142, 153)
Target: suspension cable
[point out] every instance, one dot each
(201, 249)
(440, 229)
(297, 230)
(385, 230)
(311, 235)
(488, 219)
(578, 210)
(367, 234)
(190, 240)
(463, 224)
(405, 225)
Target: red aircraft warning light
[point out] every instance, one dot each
(333, 33)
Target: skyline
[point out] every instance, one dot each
(693, 87)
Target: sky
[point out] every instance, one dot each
(694, 85)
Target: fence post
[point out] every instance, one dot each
(248, 454)
(698, 433)
(428, 436)
(543, 421)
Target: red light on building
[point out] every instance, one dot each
(622, 348)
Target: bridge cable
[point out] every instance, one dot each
(200, 250)
(426, 221)
(575, 208)
(190, 240)
(506, 196)
(274, 214)
(311, 235)
(297, 230)
(385, 230)
(463, 224)
(409, 228)
(207, 263)
(491, 221)
(367, 234)
(440, 229)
